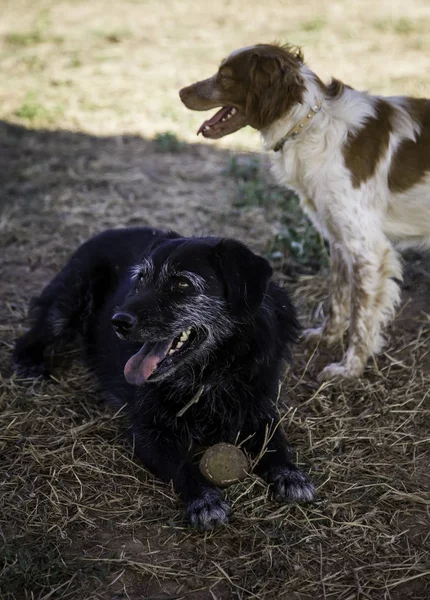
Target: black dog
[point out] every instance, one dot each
(188, 333)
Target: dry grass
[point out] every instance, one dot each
(78, 518)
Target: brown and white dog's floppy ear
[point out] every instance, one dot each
(275, 85)
(245, 276)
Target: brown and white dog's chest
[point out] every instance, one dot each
(313, 175)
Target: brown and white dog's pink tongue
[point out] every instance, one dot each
(215, 119)
(142, 364)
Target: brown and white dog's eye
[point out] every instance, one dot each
(226, 82)
(225, 78)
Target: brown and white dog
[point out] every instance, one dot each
(360, 164)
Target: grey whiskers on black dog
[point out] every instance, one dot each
(165, 319)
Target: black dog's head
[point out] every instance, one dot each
(187, 296)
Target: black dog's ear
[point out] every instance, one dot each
(245, 276)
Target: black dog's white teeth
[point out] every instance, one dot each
(292, 485)
(208, 511)
(180, 341)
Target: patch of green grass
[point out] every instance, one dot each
(252, 189)
(299, 243)
(250, 193)
(167, 142)
(402, 26)
(298, 247)
(38, 35)
(34, 111)
(28, 38)
(31, 111)
(245, 170)
(75, 60)
(34, 64)
(315, 24)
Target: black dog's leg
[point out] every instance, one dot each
(53, 316)
(29, 352)
(288, 482)
(167, 460)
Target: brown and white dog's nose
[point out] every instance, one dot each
(123, 322)
(187, 91)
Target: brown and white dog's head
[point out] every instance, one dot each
(254, 86)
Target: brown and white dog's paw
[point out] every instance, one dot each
(312, 337)
(319, 335)
(341, 371)
(208, 511)
(292, 485)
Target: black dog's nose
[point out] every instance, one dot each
(123, 322)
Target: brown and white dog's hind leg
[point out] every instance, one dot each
(337, 320)
(375, 293)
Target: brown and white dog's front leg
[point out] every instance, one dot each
(337, 320)
(374, 295)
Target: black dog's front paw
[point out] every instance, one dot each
(208, 511)
(28, 360)
(29, 369)
(292, 485)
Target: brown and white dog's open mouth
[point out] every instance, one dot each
(205, 95)
(227, 120)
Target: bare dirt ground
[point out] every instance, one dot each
(87, 94)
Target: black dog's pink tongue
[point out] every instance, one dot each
(142, 364)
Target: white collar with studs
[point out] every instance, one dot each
(297, 128)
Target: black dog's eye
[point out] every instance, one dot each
(181, 283)
(139, 277)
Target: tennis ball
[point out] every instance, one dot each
(224, 464)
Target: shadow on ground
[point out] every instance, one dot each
(80, 519)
